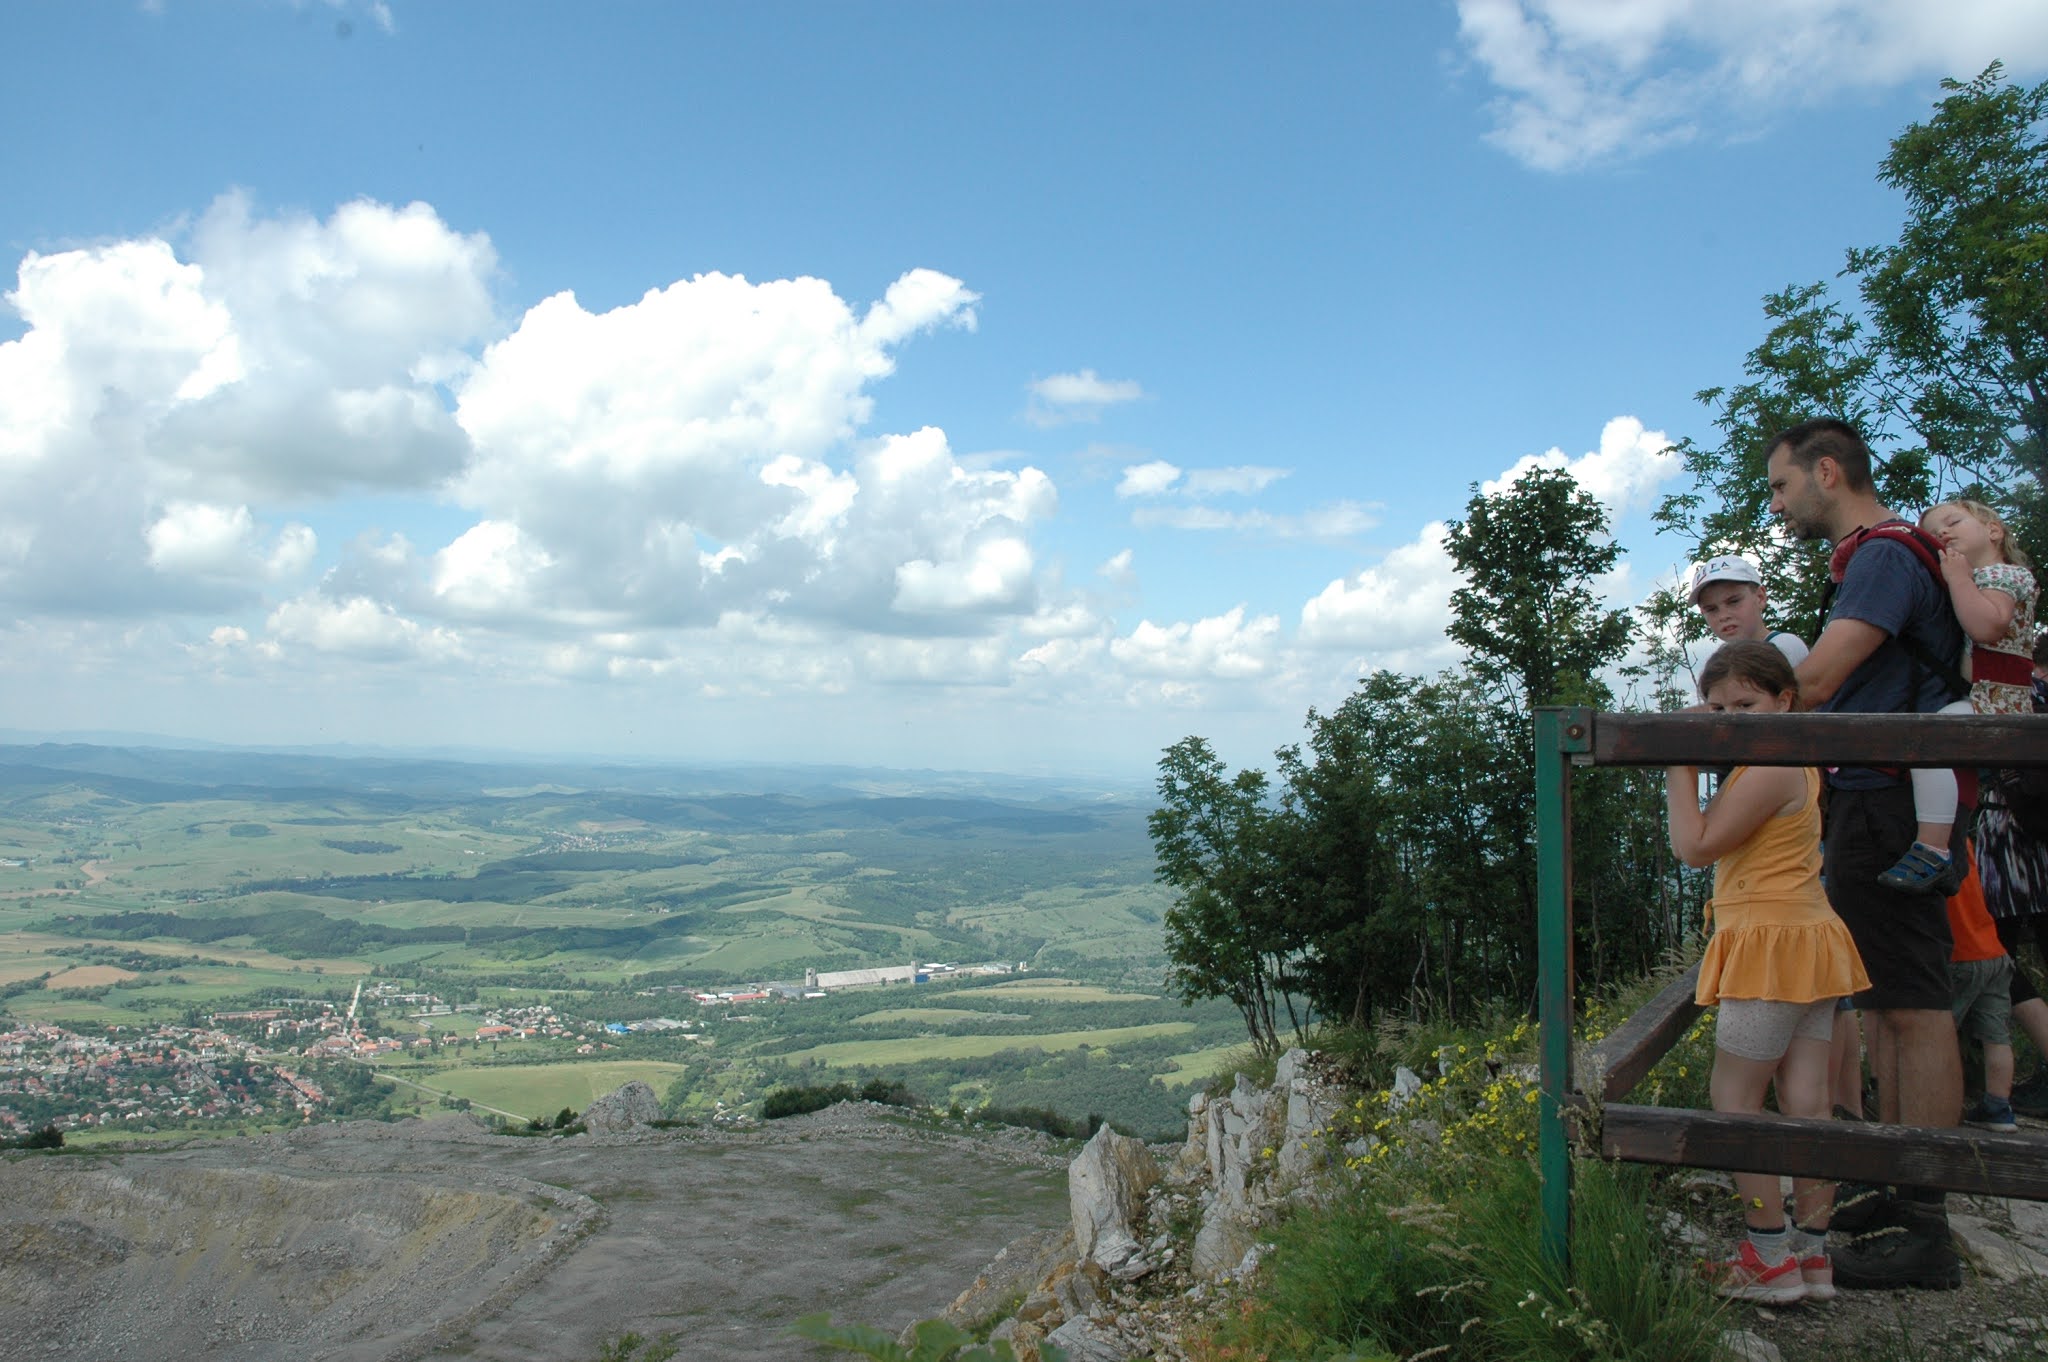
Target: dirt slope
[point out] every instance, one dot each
(369, 1243)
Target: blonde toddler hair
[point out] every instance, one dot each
(1990, 520)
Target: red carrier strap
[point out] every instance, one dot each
(1927, 549)
(1924, 546)
(2005, 669)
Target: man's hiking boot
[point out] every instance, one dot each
(2031, 1097)
(1913, 1250)
(1860, 1207)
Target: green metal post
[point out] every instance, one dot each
(1559, 732)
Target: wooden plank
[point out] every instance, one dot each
(1960, 1160)
(1820, 740)
(1638, 1043)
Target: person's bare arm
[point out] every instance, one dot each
(1842, 647)
(1700, 838)
(1984, 615)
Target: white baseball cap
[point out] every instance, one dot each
(1728, 567)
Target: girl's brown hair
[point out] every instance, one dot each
(1756, 663)
(1990, 520)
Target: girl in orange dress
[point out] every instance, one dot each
(1778, 960)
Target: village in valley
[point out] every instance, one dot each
(257, 1063)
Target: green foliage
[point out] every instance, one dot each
(1433, 1246)
(1224, 938)
(1396, 872)
(49, 1137)
(933, 1340)
(1941, 361)
(1043, 1119)
(796, 1101)
(1528, 613)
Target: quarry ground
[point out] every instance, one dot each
(387, 1243)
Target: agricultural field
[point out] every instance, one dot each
(544, 1089)
(142, 887)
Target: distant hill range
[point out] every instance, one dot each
(750, 798)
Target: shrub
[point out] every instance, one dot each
(1041, 1118)
(796, 1101)
(889, 1093)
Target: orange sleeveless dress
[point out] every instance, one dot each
(1775, 937)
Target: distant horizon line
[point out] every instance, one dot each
(480, 756)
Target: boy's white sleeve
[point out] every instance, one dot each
(1791, 645)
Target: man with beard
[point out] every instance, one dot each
(1889, 643)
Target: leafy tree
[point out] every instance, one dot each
(1528, 612)
(1338, 891)
(1941, 358)
(1223, 934)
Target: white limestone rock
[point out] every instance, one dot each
(1086, 1340)
(1221, 1245)
(1106, 1188)
(1992, 1254)
(1740, 1345)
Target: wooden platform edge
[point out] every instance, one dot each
(1959, 1160)
(1819, 740)
(1620, 1062)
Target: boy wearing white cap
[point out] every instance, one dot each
(1729, 592)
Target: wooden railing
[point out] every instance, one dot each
(1955, 1160)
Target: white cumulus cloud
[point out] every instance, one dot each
(1582, 81)
(1226, 647)
(1147, 479)
(1081, 396)
(1625, 473)
(358, 628)
(1394, 612)
(159, 386)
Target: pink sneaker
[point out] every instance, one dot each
(1817, 1271)
(1747, 1277)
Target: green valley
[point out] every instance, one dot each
(400, 912)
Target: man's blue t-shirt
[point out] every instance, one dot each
(1887, 585)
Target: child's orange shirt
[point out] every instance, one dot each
(1969, 922)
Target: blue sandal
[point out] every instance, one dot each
(1922, 870)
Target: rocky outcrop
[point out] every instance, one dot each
(1106, 1189)
(1256, 1147)
(623, 1110)
(1192, 1214)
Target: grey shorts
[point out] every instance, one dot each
(1983, 999)
(1764, 1029)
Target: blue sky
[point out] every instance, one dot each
(1005, 386)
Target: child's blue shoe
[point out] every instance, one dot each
(1991, 1113)
(1923, 870)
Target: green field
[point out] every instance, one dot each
(1060, 991)
(932, 1016)
(1199, 1066)
(852, 1053)
(544, 1089)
